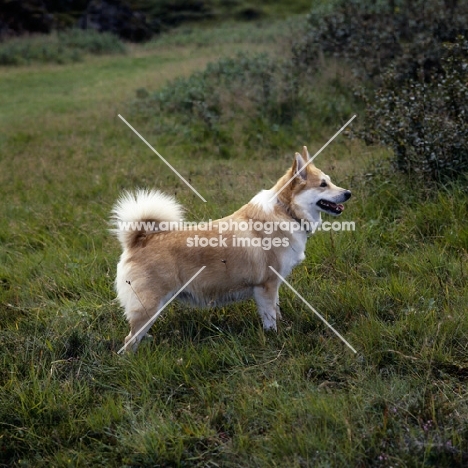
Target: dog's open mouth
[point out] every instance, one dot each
(330, 207)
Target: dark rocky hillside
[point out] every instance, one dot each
(131, 20)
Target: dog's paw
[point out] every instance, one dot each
(269, 324)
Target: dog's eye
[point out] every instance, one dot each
(323, 184)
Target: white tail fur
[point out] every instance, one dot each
(142, 205)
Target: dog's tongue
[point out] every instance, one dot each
(340, 207)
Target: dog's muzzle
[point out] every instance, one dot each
(332, 207)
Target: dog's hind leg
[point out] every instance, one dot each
(266, 297)
(138, 329)
(141, 321)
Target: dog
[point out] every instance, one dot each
(236, 251)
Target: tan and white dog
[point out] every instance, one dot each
(237, 251)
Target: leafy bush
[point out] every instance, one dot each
(211, 105)
(65, 47)
(415, 56)
(91, 42)
(374, 35)
(425, 123)
(46, 49)
(249, 99)
(250, 82)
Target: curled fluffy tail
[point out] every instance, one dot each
(140, 212)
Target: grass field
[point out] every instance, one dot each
(212, 389)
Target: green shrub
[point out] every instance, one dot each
(412, 58)
(425, 122)
(249, 99)
(218, 105)
(372, 35)
(45, 49)
(65, 47)
(91, 42)
(213, 94)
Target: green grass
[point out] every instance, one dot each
(211, 388)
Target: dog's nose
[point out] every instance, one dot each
(347, 194)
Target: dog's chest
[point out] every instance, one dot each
(294, 254)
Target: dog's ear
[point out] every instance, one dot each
(299, 167)
(305, 153)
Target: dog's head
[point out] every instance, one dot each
(312, 191)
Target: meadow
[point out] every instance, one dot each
(211, 388)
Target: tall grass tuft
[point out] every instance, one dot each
(61, 48)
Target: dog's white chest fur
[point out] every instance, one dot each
(295, 254)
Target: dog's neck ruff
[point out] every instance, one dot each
(293, 216)
(267, 201)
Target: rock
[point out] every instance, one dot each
(117, 17)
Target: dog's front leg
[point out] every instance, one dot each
(266, 297)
